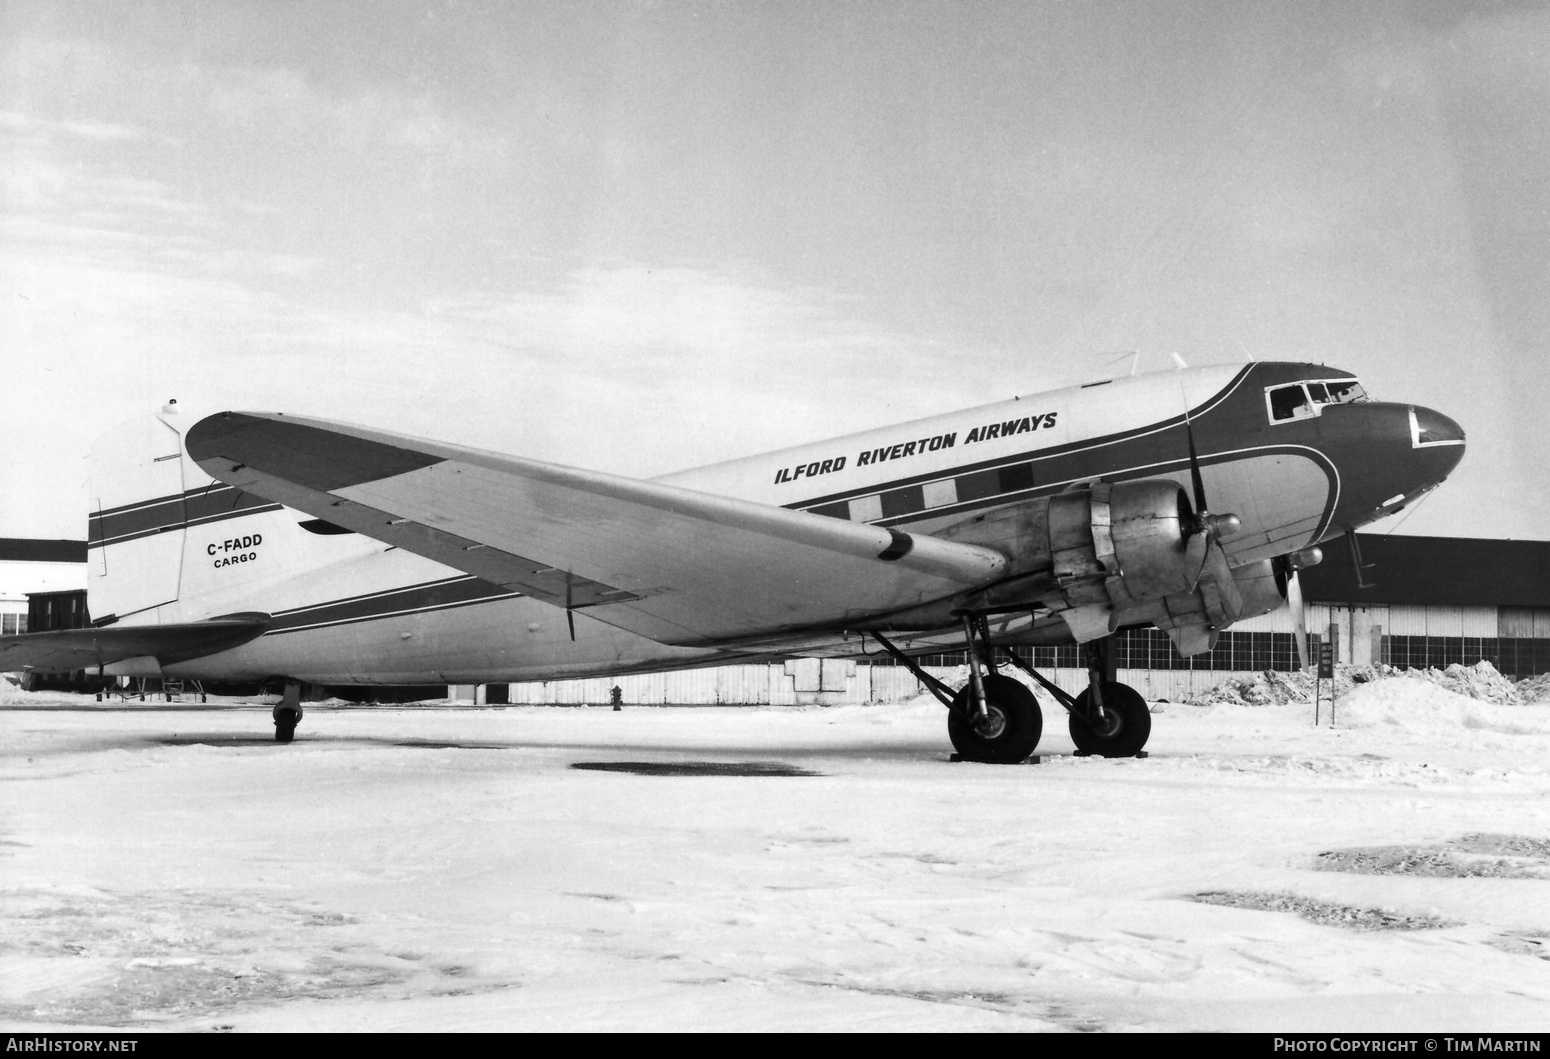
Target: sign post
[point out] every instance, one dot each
(1326, 671)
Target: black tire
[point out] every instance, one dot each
(1129, 722)
(285, 722)
(1014, 729)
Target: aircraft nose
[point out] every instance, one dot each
(1436, 441)
(1429, 428)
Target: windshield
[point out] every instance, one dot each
(1344, 391)
(1300, 400)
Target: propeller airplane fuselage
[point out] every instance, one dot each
(342, 555)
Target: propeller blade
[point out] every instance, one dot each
(1194, 469)
(1196, 548)
(1299, 616)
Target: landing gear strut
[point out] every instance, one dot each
(993, 719)
(287, 713)
(996, 719)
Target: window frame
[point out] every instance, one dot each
(1315, 407)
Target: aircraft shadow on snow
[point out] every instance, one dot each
(640, 756)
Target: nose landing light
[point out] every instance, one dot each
(1429, 429)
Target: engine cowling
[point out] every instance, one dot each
(1111, 555)
(1223, 597)
(1108, 545)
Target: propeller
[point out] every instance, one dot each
(1202, 528)
(1299, 619)
(1286, 568)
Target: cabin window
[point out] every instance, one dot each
(1289, 402)
(940, 494)
(866, 508)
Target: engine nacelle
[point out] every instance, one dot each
(1109, 545)
(1222, 597)
(1108, 556)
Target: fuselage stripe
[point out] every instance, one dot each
(1009, 479)
(172, 527)
(169, 513)
(432, 595)
(1073, 448)
(365, 596)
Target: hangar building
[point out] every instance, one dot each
(1420, 601)
(30, 566)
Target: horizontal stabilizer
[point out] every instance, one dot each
(64, 650)
(673, 564)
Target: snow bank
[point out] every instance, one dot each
(1480, 682)
(1535, 689)
(1420, 705)
(11, 695)
(1258, 689)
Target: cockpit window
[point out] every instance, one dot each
(1304, 399)
(1289, 402)
(1344, 391)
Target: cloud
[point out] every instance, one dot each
(652, 314)
(133, 279)
(16, 123)
(271, 101)
(130, 289)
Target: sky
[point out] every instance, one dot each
(640, 236)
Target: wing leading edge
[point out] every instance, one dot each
(673, 564)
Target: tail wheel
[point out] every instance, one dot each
(285, 721)
(1007, 734)
(1126, 726)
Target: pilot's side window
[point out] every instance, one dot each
(1319, 394)
(1289, 402)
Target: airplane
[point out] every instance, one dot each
(268, 547)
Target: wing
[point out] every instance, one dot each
(676, 565)
(62, 650)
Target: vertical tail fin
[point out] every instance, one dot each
(137, 522)
(168, 543)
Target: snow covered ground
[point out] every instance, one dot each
(440, 868)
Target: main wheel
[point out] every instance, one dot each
(1126, 727)
(286, 719)
(1010, 731)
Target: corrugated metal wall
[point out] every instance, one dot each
(1524, 623)
(798, 682)
(1357, 629)
(773, 685)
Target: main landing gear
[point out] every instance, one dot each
(996, 719)
(1006, 732)
(287, 713)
